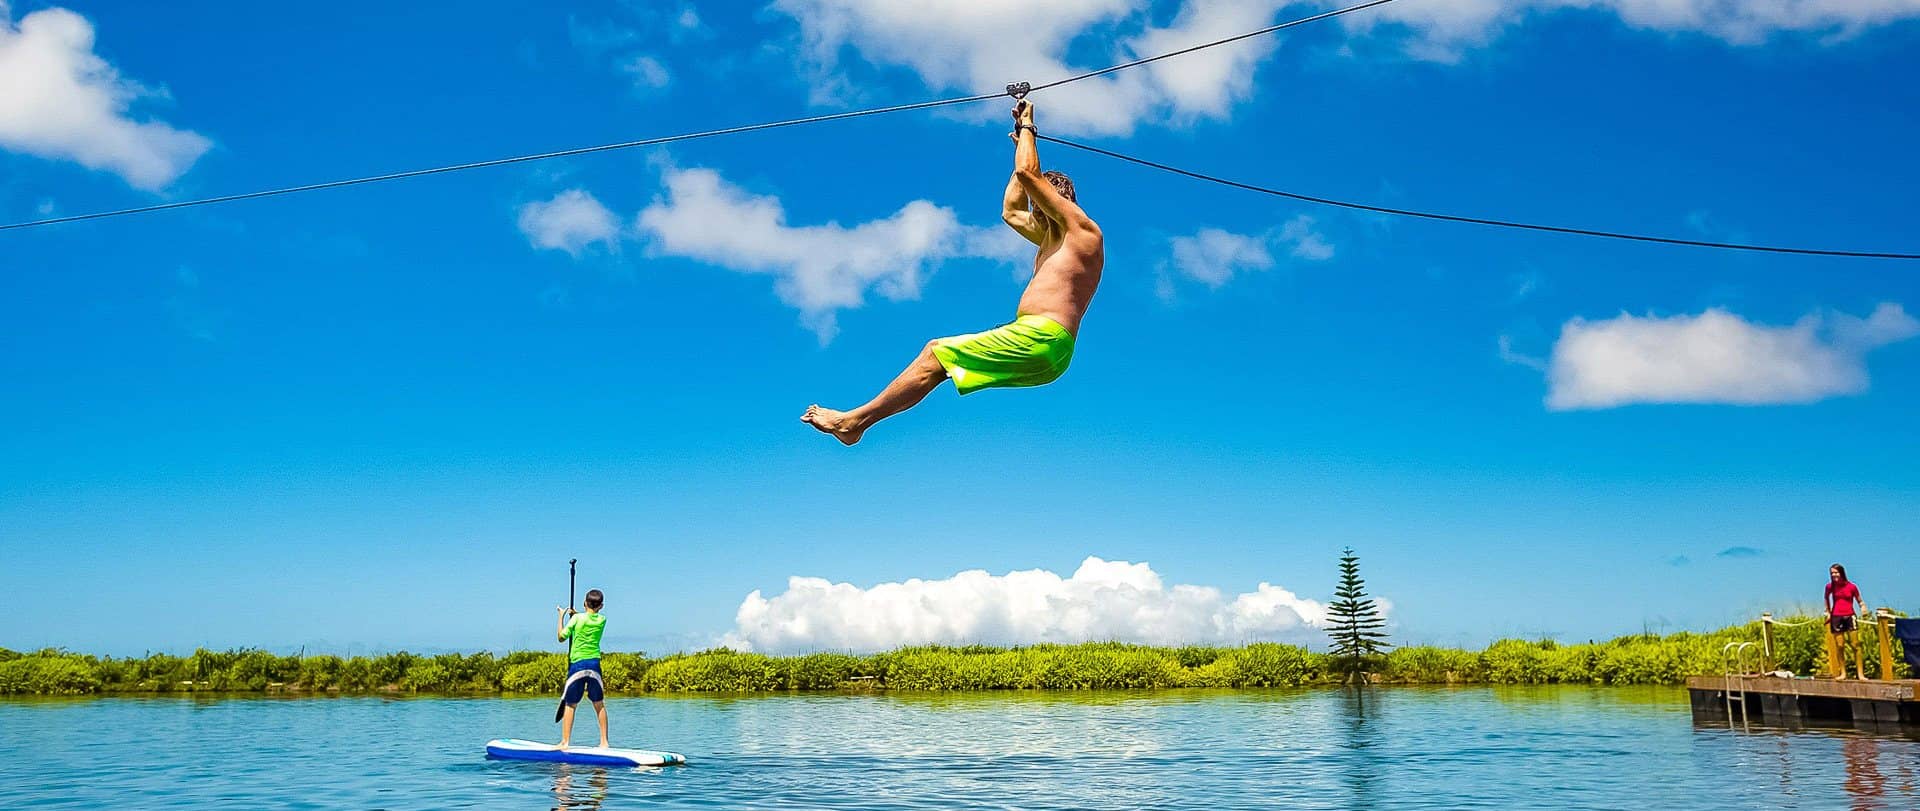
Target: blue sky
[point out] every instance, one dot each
(386, 416)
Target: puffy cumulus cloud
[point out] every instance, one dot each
(1205, 84)
(60, 100)
(1103, 600)
(1212, 256)
(974, 45)
(569, 222)
(1442, 31)
(819, 269)
(1717, 357)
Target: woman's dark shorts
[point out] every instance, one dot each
(1840, 625)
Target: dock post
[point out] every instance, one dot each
(1766, 642)
(1884, 624)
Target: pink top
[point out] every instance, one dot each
(1843, 595)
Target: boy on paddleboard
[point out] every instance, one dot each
(583, 665)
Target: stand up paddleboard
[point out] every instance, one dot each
(516, 749)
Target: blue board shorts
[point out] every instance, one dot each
(583, 678)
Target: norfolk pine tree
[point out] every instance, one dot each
(1354, 622)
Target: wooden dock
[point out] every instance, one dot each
(1774, 700)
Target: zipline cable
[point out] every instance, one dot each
(1428, 215)
(1236, 38)
(792, 122)
(459, 167)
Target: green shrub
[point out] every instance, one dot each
(1640, 662)
(1197, 655)
(1513, 661)
(427, 675)
(321, 672)
(50, 673)
(1569, 664)
(719, 670)
(1097, 665)
(542, 674)
(818, 671)
(624, 672)
(1424, 664)
(1268, 664)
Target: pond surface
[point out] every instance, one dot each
(1398, 748)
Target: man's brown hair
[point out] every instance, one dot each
(595, 599)
(1061, 183)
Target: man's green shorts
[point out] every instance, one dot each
(1031, 351)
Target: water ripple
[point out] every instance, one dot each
(1557, 749)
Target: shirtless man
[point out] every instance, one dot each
(1035, 348)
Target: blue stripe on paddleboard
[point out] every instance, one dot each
(576, 756)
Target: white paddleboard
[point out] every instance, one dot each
(516, 749)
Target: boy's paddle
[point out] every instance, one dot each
(562, 709)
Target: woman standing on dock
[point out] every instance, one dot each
(1842, 596)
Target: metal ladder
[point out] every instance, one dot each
(1735, 654)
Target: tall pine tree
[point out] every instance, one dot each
(1354, 622)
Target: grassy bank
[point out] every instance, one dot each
(1627, 660)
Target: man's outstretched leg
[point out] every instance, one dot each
(921, 376)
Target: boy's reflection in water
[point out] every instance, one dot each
(588, 795)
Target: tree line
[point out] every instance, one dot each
(1639, 659)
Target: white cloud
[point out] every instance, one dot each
(1443, 30)
(1213, 256)
(819, 269)
(1305, 243)
(621, 46)
(976, 45)
(1205, 84)
(647, 72)
(972, 46)
(1717, 357)
(1102, 600)
(1510, 355)
(569, 222)
(60, 100)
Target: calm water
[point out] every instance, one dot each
(1544, 748)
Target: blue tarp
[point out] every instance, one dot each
(1908, 632)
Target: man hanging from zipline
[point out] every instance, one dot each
(1032, 350)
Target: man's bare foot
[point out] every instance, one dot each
(603, 744)
(565, 744)
(838, 423)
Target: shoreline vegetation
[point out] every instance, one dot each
(1628, 660)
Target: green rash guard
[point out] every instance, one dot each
(584, 630)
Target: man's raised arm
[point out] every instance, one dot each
(1014, 212)
(1026, 172)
